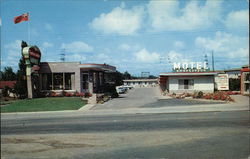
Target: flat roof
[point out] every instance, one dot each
(140, 80)
(104, 67)
(188, 74)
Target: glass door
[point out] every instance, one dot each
(85, 83)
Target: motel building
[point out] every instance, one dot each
(74, 76)
(188, 78)
(141, 82)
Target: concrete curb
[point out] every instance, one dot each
(169, 110)
(163, 110)
(86, 107)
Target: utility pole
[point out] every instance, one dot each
(62, 58)
(213, 60)
(206, 60)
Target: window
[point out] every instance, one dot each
(47, 81)
(246, 74)
(85, 79)
(69, 81)
(58, 81)
(186, 84)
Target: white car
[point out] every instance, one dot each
(128, 87)
(120, 90)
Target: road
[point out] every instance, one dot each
(187, 135)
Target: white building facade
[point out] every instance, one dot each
(187, 82)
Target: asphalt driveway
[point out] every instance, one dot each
(148, 98)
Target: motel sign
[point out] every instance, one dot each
(190, 67)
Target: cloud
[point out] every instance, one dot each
(225, 45)
(168, 15)
(47, 45)
(174, 56)
(179, 44)
(33, 32)
(147, 57)
(13, 54)
(237, 19)
(119, 21)
(124, 47)
(16, 45)
(76, 57)
(48, 27)
(77, 47)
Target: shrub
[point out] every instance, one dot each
(67, 94)
(200, 94)
(111, 90)
(6, 91)
(81, 94)
(207, 96)
(216, 97)
(63, 93)
(53, 94)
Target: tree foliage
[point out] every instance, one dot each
(20, 87)
(234, 84)
(126, 75)
(8, 74)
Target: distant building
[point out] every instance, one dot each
(232, 73)
(141, 82)
(245, 82)
(234, 78)
(9, 84)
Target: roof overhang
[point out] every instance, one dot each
(98, 67)
(189, 74)
(141, 80)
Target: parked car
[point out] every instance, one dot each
(120, 90)
(128, 87)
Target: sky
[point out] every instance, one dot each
(132, 35)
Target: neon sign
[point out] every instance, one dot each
(190, 67)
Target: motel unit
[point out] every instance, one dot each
(74, 76)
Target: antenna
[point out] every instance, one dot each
(206, 60)
(145, 74)
(166, 60)
(62, 58)
(213, 59)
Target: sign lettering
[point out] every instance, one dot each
(190, 67)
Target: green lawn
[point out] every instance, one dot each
(44, 104)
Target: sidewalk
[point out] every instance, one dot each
(86, 111)
(241, 104)
(179, 109)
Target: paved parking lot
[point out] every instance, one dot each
(148, 98)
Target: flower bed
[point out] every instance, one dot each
(68, 94)
(221, 95)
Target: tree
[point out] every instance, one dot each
(8, 74)
(20, 88)
(234, 84)
(126, 75)
(152, 77)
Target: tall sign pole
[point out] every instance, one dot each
(25, 53)
(32, 56)
(213, 60)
